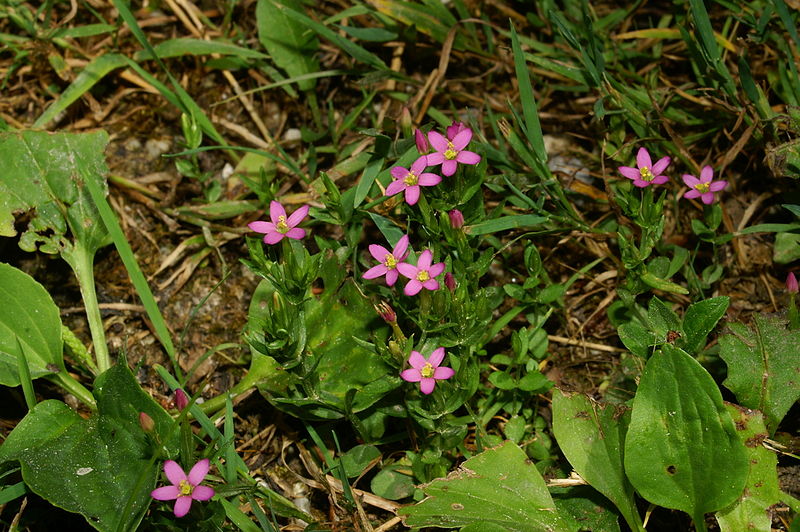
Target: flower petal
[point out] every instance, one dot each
(690, 180)
(398, 172)
(400, 249)
(449, 167)
(424, 260)
(261, 227)
(297, 216)
(391, 277)
(412, 194)
(296, 233)
(706, 174)
(411, 375)
(429, 180)
(660, 180)
(641, 183)
(426, 386)
(395, 187)
(431, 284)
(468, 157)
(276, 210)
(438, 142)
(375, 271)
(716, 186)
(203, 493)
(643, 158)
(412, 287)
(182, 506)
(443, 373)
(165, 493)
(660, 166)
(436, 270)
(199, 472)
(407, 270)
(435, 158)
(416, 360)
(708, 198)
(378, 252)
(419, 165)
(273, 238)
(630, 173)
(692, 194)
(174, 472)
(461, 140)
(436, 357)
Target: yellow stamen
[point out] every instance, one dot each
(646, 174)
(282, 226)
(702, 188)
(450, 153)
(410, 179)
(427, 371)
(185, 488)
(423, 276)
(389, 261)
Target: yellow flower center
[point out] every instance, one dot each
(423, 276)
(185, 488)
(389, 261)
(427, 371)
(646, 174)
(450, 153)
(410, 179)
(702, 188)
(282, 226)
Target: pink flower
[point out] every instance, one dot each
(422, 143)
(456, 219)
(647, 173)
(791, 283)
(426, 371)
(450, 152)
(454, 129)
(280, 226)
(389, 261)
(704, 187)
(421, 275)
(411, 180)
(184, 488)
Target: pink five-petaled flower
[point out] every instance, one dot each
(389, 261)
(422, 275)
(647, 173)
(411, 180)
(280, 226)
(704, 187)
(450, 152)
(185, 488)
(426, 371)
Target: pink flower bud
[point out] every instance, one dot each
(454, 129)
(456, 219)
(181, 399)
(450, 282)
(791, 283)
(146, 422)
(422, 142)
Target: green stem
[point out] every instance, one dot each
(700, 522)
(84, 271)
(65, 380)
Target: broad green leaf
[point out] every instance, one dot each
(591, 510)
(752, 510)
(682, 450)
(592, 435)
(391, 483)
(102, 467)
(291, 45)
(662, 319)
(27, 313)
(357, 459)
(700, 319)
(636, 338)
(763, 366)
(498, 487)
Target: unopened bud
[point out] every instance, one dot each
(422, 142)
(791, 283)
(146, 422)
(454, 129)
(456, 219)
(450, 282)
(405, 121)
(181, 399)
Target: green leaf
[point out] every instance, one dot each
(636, 338)
(392, 484)
(591, 435)
(28, 314)
(291, 45)
(188, 46)
(498, 487)
(357, 459)
(700, 319)
(752, 510)
(763, 366)
(662, 319)
(504, 223)
(682, 450)
(102, 467)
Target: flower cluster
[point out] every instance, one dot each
(448, 151)
(647, 174)
(392, 264)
